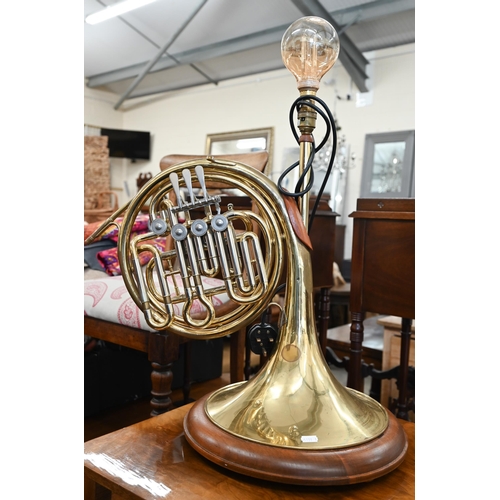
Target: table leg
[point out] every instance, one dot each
(355, 378)
(163, 351)
(323, 315)
(402, 403)
(93, 490)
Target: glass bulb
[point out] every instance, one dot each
(309, 48)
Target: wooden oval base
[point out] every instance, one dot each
(295, 466)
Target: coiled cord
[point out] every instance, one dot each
(327, 116)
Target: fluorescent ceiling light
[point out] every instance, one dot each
(116, 10)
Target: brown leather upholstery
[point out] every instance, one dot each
(255, 160)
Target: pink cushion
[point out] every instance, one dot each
(108, 299)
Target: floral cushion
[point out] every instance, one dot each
(109, 299)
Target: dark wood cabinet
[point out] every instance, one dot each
(382, 277)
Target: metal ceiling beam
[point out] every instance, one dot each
(193, 56)
(347, 17)
(153, 61)
(140, 33)
(171, 88)
(350, 56)
(368, 11)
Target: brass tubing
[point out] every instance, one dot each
(265, 196)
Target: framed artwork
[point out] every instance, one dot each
(243, 141)
(389, 165)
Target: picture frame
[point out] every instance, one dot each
(242, 141)
(389, 165)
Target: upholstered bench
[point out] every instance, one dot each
(111, 315)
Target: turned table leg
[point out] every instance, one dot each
(355, 376)
(323, 317)
(402, 402)
(163, 351)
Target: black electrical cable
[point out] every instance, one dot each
(327, 116)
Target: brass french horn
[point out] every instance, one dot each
(294, 407)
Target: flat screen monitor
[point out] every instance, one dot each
(131, 144)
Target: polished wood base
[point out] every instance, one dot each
(154, 453)
(352, 465)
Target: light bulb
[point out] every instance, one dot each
(309, 48)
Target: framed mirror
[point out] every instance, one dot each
(389, 165)
(243, 141)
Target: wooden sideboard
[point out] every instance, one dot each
(382, 278)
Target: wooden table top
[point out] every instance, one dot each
(342, 289)
(152, 460)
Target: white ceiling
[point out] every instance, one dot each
(174, 44)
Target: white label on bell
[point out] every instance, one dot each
(309, 439)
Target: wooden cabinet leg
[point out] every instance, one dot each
(93, 490)
(354, 376)
(89, 487)
(323, 315)
(163, 351)
(402, 403)
(161, 381)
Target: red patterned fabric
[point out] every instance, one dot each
(140, 226)
(109, 258)
(108, 299)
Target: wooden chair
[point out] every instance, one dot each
(383, 282)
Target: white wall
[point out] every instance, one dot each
(180, 121)
(99, 111)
